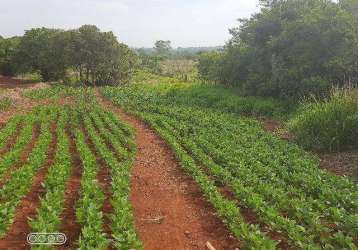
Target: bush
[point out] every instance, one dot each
(5, 103)
(331, 124)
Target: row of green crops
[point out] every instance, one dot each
(9, 129)
(8, 159)
(56, 91)
(102, 128)
(275, 179)
(84, 123)
(20, 179)
(51, 205)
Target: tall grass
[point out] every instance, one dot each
(5, 102)
(329, 125)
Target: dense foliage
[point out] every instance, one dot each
(85, 54)
(7, 55)
(280, 184)
(331, 124)
(289, 49)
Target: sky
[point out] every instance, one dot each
(138, 23)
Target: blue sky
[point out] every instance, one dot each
(139, 23)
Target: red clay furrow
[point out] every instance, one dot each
(169, 209)
(11, 141)
(15, 237)
(69, 225)
(23, 155)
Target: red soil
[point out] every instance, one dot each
(16, 235)
(169, 209)
(10, 82)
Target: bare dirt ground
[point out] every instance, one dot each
(169, 209)
(341, 163)
(13, 89)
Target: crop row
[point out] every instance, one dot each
(51, 205)
(8, 159)
(21, 179)
(9, 129)
(121, 219)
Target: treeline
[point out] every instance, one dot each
(85, 55)
(291, 48)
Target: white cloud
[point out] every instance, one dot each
(136, 22)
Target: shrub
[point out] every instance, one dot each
(5, 103)
(331, 124)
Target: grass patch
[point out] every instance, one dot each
(5, 103)
(174, 91)
(329, 125)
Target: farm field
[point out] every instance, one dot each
(266, 193)
(233, 128)
(269, 192)
(57, 171)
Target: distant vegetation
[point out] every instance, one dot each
(85, 55)
(164, 60)
(289, 49)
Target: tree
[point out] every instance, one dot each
(41, 49)
(8, 48)
(291, 48)
(99, 57)
(96, 56)
(163, 47)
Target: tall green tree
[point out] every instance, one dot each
(292, 48)
(163, 47)
(41, 50)
(99, 57)
(8, 48)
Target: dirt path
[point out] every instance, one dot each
(13, 89)
(169, 209)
